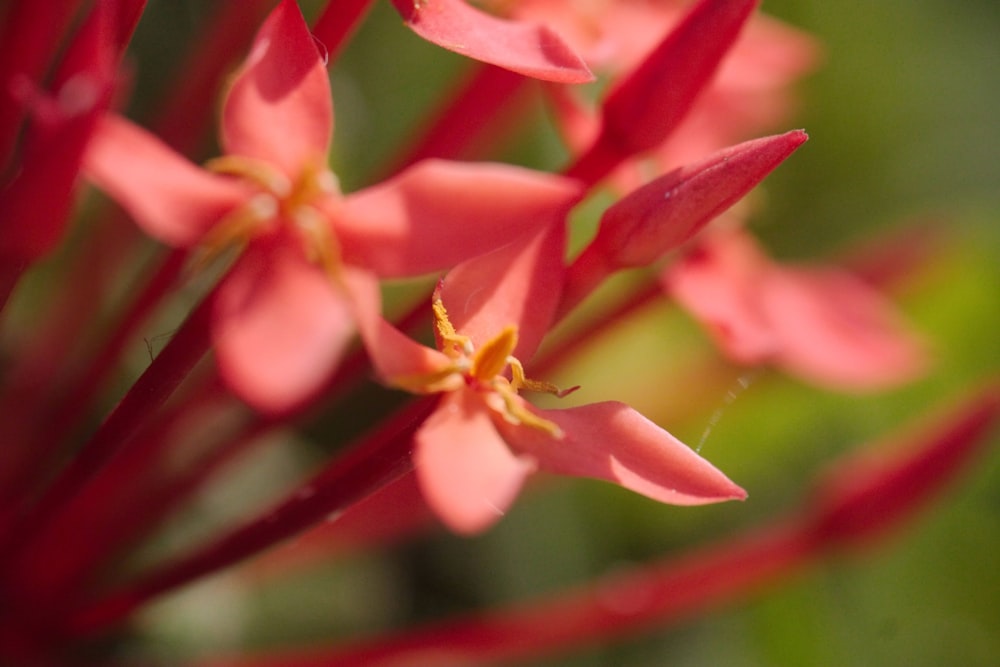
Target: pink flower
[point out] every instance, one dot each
(283, 313)
(747, 93)
(474, 452)
(818, 323)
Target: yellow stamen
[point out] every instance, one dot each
(454, 343)
(490, 360)
(482, 370)
(261, 173)
(280, 199)
(235, 229)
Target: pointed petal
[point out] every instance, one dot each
(466, 472)
(279, 328)
(171, 199)
(719, 283)
(522, 47)
(517, 284)
(392, 353)
(661, 215)
(641, 112)
(837, 331)
(279, 108)
(437, 213)
(613, 442)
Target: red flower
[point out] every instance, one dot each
(474, 452)
(818, 323)
(283, 314)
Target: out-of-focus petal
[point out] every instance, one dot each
(466, 472)
(643, 110)
(437, 214)
(719, 282)
(279, 108)
(280, 326)
(517, 284)
(837, 331)
(613, 442)
(172, 200)
(526, 48)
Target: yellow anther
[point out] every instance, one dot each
(520, 381)
(483, 370)
(515, 412)
(235, 229)
(454, 343)
(492, 358)
(320, 242)
(261, 173)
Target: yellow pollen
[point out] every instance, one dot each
(483, 370)
(279, 199)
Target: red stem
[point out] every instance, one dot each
(153, 387)
(338, 22)
(467, 117)
(378, 460)
(865, 501)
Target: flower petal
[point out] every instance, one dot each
(279, 108)
(392, 353)
(437, 214)
(522, 47)
(718, 282)
(466, 472)
(611, 441)
(171, 199)
(661, 215)
(837, 331)
(517, 284)
(280, 326)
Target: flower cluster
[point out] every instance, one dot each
(287, 283)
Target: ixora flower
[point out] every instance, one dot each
(475, 451)
(748, 92)
(819, 323)
(282, 316)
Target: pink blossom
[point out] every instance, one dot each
(818, 323)
(748, 92)
(475, 451)
(282, 315)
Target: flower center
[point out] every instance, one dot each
(279, 200)
(484, 370)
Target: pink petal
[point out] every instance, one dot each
(392, 353)
(279, 108)
(661, 215)
(517, 284)
(436, 214)
(280, 326)
(613, 442)
(837, 331)
(467, 474)
(526, 48)
(171, 199)
(719, 283)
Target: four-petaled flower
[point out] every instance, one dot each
(283, 315)
(474, 452)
